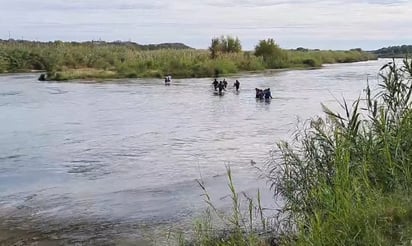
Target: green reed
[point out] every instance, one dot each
(346, 178)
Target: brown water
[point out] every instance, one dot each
(97, 162)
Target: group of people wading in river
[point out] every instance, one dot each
(263, 94)
(260, 93)
(222, 85)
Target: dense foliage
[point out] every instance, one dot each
(101, 60)
(273, 55)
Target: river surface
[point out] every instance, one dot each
(117, 159)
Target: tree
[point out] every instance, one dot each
(271, 53)
(267, 48)
(224, 44)
(233, 45)
(215, 47)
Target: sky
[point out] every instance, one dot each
(320, 24)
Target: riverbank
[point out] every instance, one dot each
(67, 61)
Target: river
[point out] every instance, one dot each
(118, 159)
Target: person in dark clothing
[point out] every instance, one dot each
(221, 87)
(215, 84)
(167, 80)
(237, 85)
(224, 83)
(267, 93)
(259, 93)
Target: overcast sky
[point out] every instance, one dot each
(323, 24)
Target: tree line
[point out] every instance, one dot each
(394, 51)
(273, 56)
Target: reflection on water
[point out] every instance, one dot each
(123, 156)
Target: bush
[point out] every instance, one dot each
(273, 56)
(311, 62)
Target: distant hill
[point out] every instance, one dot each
(176, 46)
(394, 51)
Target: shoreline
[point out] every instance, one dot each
(68, 61)
(92, 75)
(104, 75)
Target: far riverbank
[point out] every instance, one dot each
(64, 61)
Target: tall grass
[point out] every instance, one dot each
(64, 61)
(317, 58)
(346, 179)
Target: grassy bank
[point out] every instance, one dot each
(345, 180)
(66, 61)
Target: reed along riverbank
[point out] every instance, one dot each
(100, 60)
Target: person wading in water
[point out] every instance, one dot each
(237, 85)
(224, 83)
(221, 88)
(215, 84)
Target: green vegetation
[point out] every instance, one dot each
(273, 56)
(224, 45)
(345, 179)
(394, 51)
(101, 60)
(315, 58)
